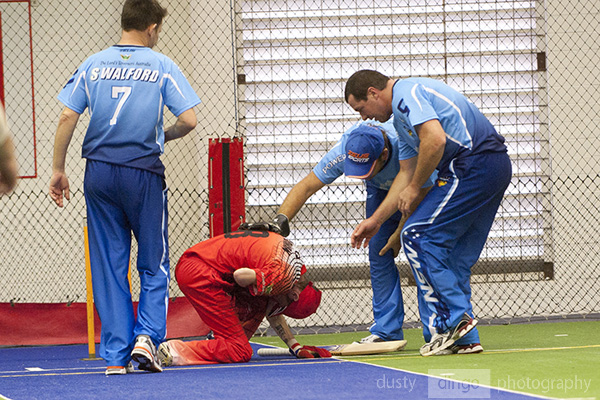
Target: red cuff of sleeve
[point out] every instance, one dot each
(259, 288)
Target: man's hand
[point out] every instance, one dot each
(309, 351)
(394, 242)
(364, 232)
(407, 198)
(59, 183)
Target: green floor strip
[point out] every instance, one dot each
(558, 360)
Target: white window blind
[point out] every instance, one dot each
(295, 57)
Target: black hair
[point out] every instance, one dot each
(140, 14)
(360, 81)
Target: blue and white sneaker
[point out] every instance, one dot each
(442, 341)
(119, 370)
(144, 353)
(372, 338)
(472, 348)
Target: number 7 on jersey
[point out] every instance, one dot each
(116, 91)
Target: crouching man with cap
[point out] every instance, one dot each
(368, 151)
(235, 280)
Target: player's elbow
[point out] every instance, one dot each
(191, 123)
(245, 277)
(68, 117)
(187, 120)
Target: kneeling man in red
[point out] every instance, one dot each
(235, 280)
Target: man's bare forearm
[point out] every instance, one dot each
(282, 329)
(299, 194)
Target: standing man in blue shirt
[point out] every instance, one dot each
(446, 232)
(368, 151)
(125, 89)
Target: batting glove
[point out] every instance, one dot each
(283, 223)
(280, 225)
(309, 351)
(260, 226)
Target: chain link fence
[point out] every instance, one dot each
(272, 72)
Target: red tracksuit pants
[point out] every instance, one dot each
(233, 317)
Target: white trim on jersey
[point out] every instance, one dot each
(81, 76)
(413, 94)
(156, 127)
(441, 206)
(451, 103)
(169, 77)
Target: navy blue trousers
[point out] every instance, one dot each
(445, 235)
(121, 200)
(388, 306)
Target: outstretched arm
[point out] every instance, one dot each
(290, 207)
(283, 330)
(369, 227)
(394, 243)
(299, 194)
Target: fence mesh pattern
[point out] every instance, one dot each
(272, 72)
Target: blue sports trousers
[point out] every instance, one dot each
(388, 307)
(445, 235)
(121, 200)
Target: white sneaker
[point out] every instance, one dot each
(372, 338)
(442, 341)
(119, 370)
(144, 353)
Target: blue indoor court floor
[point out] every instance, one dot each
(60, 372)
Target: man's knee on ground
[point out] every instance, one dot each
(240, 352)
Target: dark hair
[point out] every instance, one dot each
(360, 81)
(140, 14)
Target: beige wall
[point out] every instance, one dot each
(43, 257)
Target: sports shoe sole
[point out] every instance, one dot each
(145, 360)
(465, 349)
(164, 354)
(457, 335)
(119, 370)
(471, 349)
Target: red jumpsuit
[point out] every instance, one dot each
(205, 275)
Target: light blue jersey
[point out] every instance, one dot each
(132, 81)
(444, 236)
(331, 165)
(388, 305)
(468, 131)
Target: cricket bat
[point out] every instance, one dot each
(352, 349)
